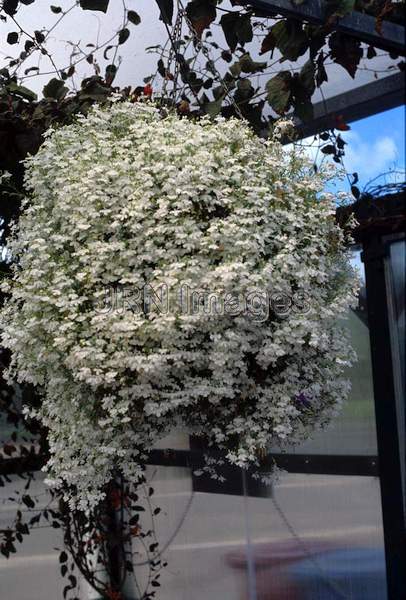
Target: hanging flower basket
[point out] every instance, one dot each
(174, 273)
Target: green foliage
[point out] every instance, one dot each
(123, 35)
(290, 39)
(286, 91)
(12, 37)
(166, 10)
(279, 91)
(201, 14)
(346, 51)
(304, 86)
(19, 90)
(10, 7)
(212, 108)
(250, 66)
(55, 89)
(237, 28)
(24, 119)
(339, 8)
(134, 17)
(100, 5)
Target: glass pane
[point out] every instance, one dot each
(397, 268)
(395, 278)
(33, 571)
(353, 431)
(317, 535)
(313, 535)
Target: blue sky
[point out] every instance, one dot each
(375, 145)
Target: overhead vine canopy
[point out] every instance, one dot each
(213, 56)
(217, 53)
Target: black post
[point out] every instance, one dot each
(374, 253)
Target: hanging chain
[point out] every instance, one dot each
(333, 586)
(199, 44)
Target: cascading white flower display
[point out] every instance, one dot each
(174, 273)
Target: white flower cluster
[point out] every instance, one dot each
(128, 197)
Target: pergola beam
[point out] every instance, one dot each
(359, 25)
(364, 101)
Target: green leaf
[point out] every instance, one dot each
(39, 36)
(101, 5)
(212, 108)
(329, 149)
(237, 29)
(244, 91)
(161, 68)
(30, 70)
(56, 9)
(134, 17)
(304, 110)
(12, 37)
(339, 8)
(110, 74)
(106, 50)
(226, 55)
(10, 7)
(290, 39)
(250, 66)
(371, 52)
(166, 10)
(123, 35)
(219, 92)
(268, 43)
(302, 88)
(355, 192)
(195, 83)
(307, 78)
(93, 88)
(28, 501)
(346, 51)
(228, 81)
(201, 14)
(279, 91)
(235, 69)
(228, 24)
(55, 89)
(321, 75)
(243, 29)
(22, 91)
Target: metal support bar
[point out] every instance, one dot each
(373, 257)
(327, 464)
(356, 24)
(364, 101)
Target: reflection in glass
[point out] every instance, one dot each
(395, 286)
(353, 432)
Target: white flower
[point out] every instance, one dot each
(126, 197)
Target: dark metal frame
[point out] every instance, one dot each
(369, 99)
(374, 254)
(357, 24)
